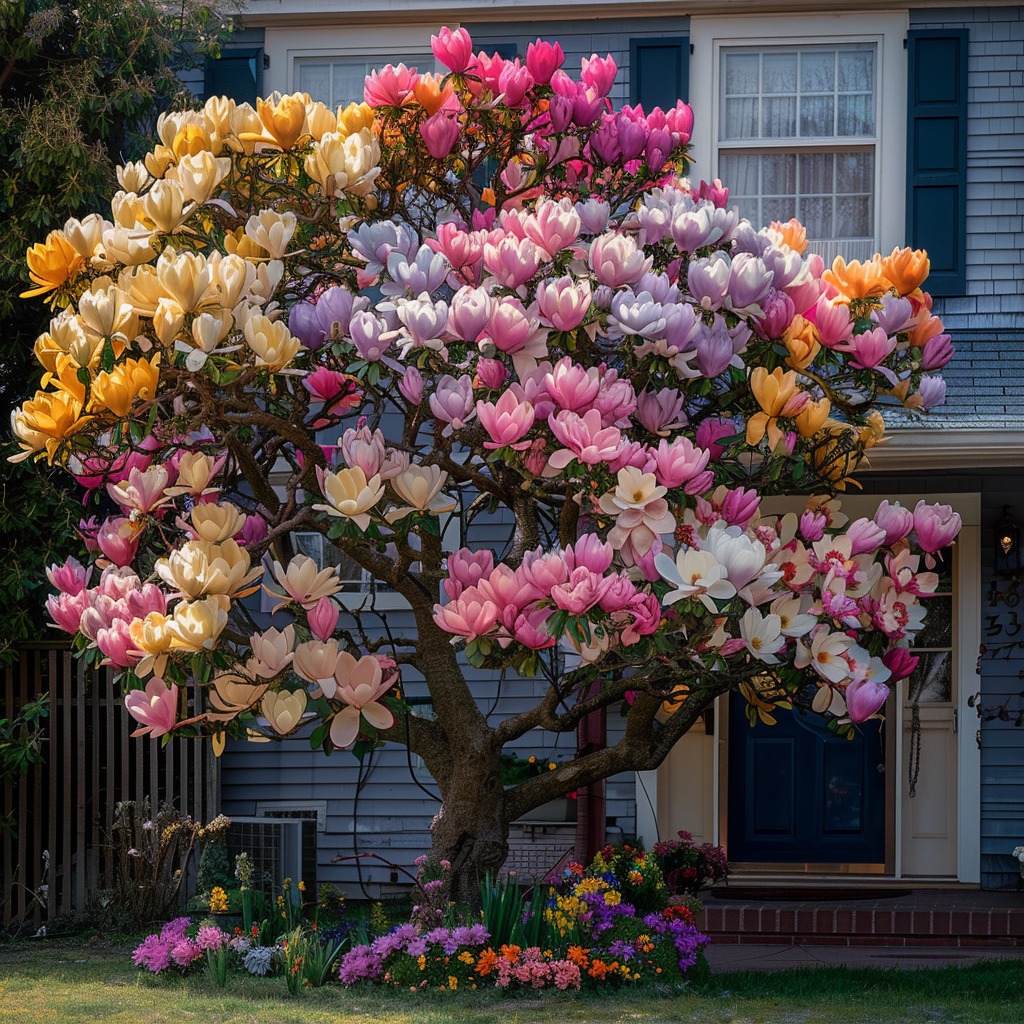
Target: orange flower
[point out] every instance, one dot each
(429, 94)
(51, 264)
(486, 962)
(856, 280)
(792, 233)
(578, 956)
(598, 969)
(189, 141)
(802, 343)
(906, 269)
(778, 395)
(813, 417)
(118, 389)
(511, 953)
(927, 327)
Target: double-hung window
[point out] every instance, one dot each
(338, 81)
(806, 117)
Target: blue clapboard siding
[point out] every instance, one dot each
(581, 38)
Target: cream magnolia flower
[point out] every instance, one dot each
(105, 310)
(199, 175)
(272, 651)
(827, 655)
(272, 342)
(303, 582)
(233, 693)
(126, 209)
(164, 205)
(133, 176)
(152, 636)
(694, 573)
(320, 119)
(216, 522)
(419, 485)
(792, 621)
(268, 277)
(128, 246)
(196, 625)
(635, 490)
(283, 710)
(171, 122)
(246, 128)
(86, 235)
(343, 164)
(272, 231)
(185, 279)
(350, 494)
(315, 662)
(762, 635)
(143, 491)
(199, 568)
(195, 472)
(208, 331)
(360, 684)
(232, 276)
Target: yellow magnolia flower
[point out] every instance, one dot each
(238, 243)
(216, 522)
(199, 568)
(232, 278)
(44, 421)
(51, 264)
(195, 472)
(152, 636)
(185, 279)
(350, 494)
(200, 174)
(118, 389)
(272, 231)
(419, 485)
(303, 582)
(813, 417)
(133, 176)
(354, 118)
(272, 342)
(218, 111)
(233, 693)
(316, 661)
(345, 164)
(320, 119)
(189, 141)
(283, 710)
(164, 206)
(246, 129)
(196, 625)
(105, 310)
(837, 459)
(129, 246)
(284, 121)
(86, 235)
(802, 344)
(778, 395)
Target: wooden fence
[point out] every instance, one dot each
(56, 862)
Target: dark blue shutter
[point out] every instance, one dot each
(237, 73)
(937, 154)
(659, 71)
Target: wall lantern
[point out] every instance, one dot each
(1008, 555)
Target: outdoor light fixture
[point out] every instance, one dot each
(1008, 549)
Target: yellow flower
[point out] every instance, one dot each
(345, 163)
(271, 231)
(232, 694)
(196, 625)
(52, 264)
(283, 710)
(283, 120)
(612, 898)
(350, 494)
(189, 141)
(218, 901)
(419, 485)
(813, 417)
(246, 129)
(118, 389)
(151, 636)
(199, 568)
(802, 344)
(44, 421)
(216, 522)
(774, 392)
(354, 118)
(791, 233)
(164, 206)
(272, 342)
(195, 472)
(320, 119)
(303, 582)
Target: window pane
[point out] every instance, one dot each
(779, 71)
(855, 173)
(853, 216)
(778, 173)
(816, 173)
(779, 208)
(740, 119)
(817, 116)
(741, 172)
(818, 71)
(856, 71)
(856, 115)
(742, 72)
(932, 681)
(778, 117)
(349, 78)
(938, 623)
(316, 80)
(816, 214)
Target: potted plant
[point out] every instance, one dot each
(688, 867)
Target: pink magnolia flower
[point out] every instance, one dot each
(709, 432)
(544, 569)
(470, 313)
(66, 610)
(678, 462)
(491, 373)
(553, 225)
(864, 697)
(936, 352)
(411, 385)
(323, 619)
(142, 491)
(895, 520)
(598, 73)
(469, 615)
(617, 260)
(452, 401)
(360, 683)
(583, 438)
(590, 552)
(865, 536)
(390, 86)
(580, 592)
(512, 261)
(868, 349)
(832, 319)
(116, 645)
(530, 629)
(564, 302)
(936, 526)
(660, 411)
(466, 568)
(716, 192)
(572, 386)
(506, 420)
(147, 598)
(70, 578)
(440, 132)
(543, 59)
(812, 526)
(156, 707)
(453, 49)
(514, 82)
(118, 540)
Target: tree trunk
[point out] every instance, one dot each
(471, 829)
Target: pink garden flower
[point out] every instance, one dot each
(156, 707)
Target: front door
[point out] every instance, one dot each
(800, 795)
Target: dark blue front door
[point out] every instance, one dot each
(799, 794)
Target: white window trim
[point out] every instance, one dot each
(887, 30)
(266, 810)
(390, 44)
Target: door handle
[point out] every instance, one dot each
(956, 721)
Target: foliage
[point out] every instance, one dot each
(81, 84)
(589, 349)
(21, 739)
(688, 867)
(150, 856)
(214, 868)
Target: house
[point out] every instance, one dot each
(878, 124)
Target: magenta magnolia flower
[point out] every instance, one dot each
(440, 132)
(864, 697)
(936, 526)
(390, 86)
(156, 707)
(454, 49)
(584, 438)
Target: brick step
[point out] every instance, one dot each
(805, 924)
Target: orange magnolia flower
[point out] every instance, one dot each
(812, 418)
(189, 141)
(802, 343)
(118, 389)
(906, 269)
(429, 94)
(44, 421)
(285, 119)
(51, 264)
(354, 118)
(792, 233)
(927, 327)
(778, 395)
(856, 280)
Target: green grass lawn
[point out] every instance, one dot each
(69, 982)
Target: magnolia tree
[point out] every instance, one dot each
(502, 303)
